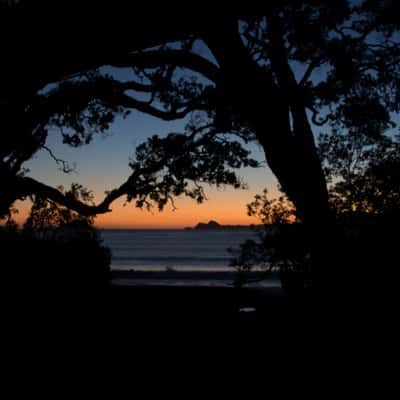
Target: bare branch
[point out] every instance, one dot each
(171, 199)
(64, 164)
(313, 64)
(137, 86)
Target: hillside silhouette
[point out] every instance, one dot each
(215, 226)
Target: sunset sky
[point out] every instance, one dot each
(103, 165)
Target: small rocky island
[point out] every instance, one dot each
(214, 225)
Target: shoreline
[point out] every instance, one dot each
(195, 295)
(132, 277)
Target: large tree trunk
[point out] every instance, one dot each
(280, 123)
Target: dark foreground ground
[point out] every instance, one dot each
(208, 338)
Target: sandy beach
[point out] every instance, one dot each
(198, 332)
(195, 293)
(202, 314)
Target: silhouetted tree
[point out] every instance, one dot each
(266, 78)
(363, 172)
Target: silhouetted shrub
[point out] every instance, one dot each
(68, 268)
(281, 244)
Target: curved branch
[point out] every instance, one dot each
(64, 164)
(314, 117)
(48, 63)
(137, 86)
(27, 186)
(145, 107)
(179, 58)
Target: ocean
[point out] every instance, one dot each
(168, 249)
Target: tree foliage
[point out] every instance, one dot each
(363, 175)
(363, 172)
(57, 253)
(269, 78)
(281, 244)
(272, 211)
(47, 217)
(180, 164)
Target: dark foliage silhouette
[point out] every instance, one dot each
(355, 47)
(364, 196)
(366, 299)
(281, 246)
(272, 79)
(57, 259)
(362, 172)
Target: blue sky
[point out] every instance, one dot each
(103, 165)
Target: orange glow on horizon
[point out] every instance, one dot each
(225, 206)
(188, 214)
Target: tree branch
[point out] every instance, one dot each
(137, 86)
(314, 117)
(279, 57)
(313, 64)
(64, 164)
(155, 58)
(27, 186)
(145, 107)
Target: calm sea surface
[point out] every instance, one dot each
(173, 249)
